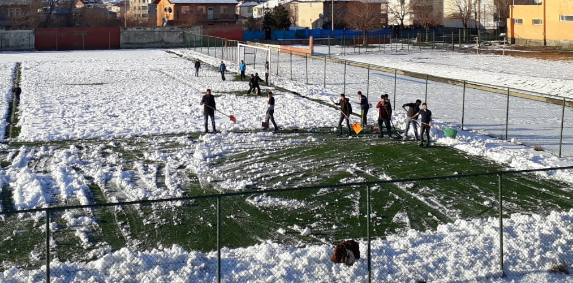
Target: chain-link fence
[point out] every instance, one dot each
(234, 237)
(542, 121)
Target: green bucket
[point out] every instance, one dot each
(450, 133)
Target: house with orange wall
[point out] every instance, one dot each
(546, 22)
(195, 12)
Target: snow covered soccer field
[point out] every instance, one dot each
(108, 126)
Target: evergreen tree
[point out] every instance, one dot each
(281, 18)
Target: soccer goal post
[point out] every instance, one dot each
(255, 57)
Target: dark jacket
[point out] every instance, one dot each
(271, 103)
(364, 103)
(385, 109)
(426, 116)
(197, 64)
(344, 106)
(222, 68)
(208, 100)
(255, 81)
(412, 110)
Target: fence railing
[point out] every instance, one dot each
(539, 120)
(132, 241)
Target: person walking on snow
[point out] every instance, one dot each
(413, 108)
(345, 111)
(425, 123)
(208, 102)
(364, 106)
(197, 66)
(270, 112)
(222, 69)
(242, 68)
(267, 71)
(384, 115)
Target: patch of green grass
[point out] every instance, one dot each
(18, 239)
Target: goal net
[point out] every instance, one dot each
(255, 58)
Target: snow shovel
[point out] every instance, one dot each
(355, 126)
(230, 116)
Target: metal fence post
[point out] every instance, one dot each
(306, 66)
(562, 122)
(507, 114)
(500, 224)
(324, 77)
(219, 239)
(395, 82)
(329, 45)
(344, 89)
(368, 82)
(463, 104)
(426, 94)
(208, 46)
(291, 65)
(48, 246)
(453, 45)
(368, 213)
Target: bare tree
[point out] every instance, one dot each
(398, 11)
(364, 16)
(24, 16)
(94, 17)
(461, 10)
(426, 16)
(501, 11)
(292, 9)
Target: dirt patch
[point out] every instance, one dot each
(539, 52)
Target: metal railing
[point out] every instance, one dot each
(539, 120)
(216, 226)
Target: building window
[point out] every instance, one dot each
(537, 22)
(518, 21)
(223, 10)
(566, 18)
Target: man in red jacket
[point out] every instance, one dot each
(384, 115)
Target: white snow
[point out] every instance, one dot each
(127, 93)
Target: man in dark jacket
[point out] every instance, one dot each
(413, 108)
(222, 69)
(364, 106)
(425, 123)
(271, 111)
(17, 91)
(197, 66)
(344, 113)
(208, 102)
(254, 83)
(384, 115)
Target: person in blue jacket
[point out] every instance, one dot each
(242, 68)
(222, 69)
